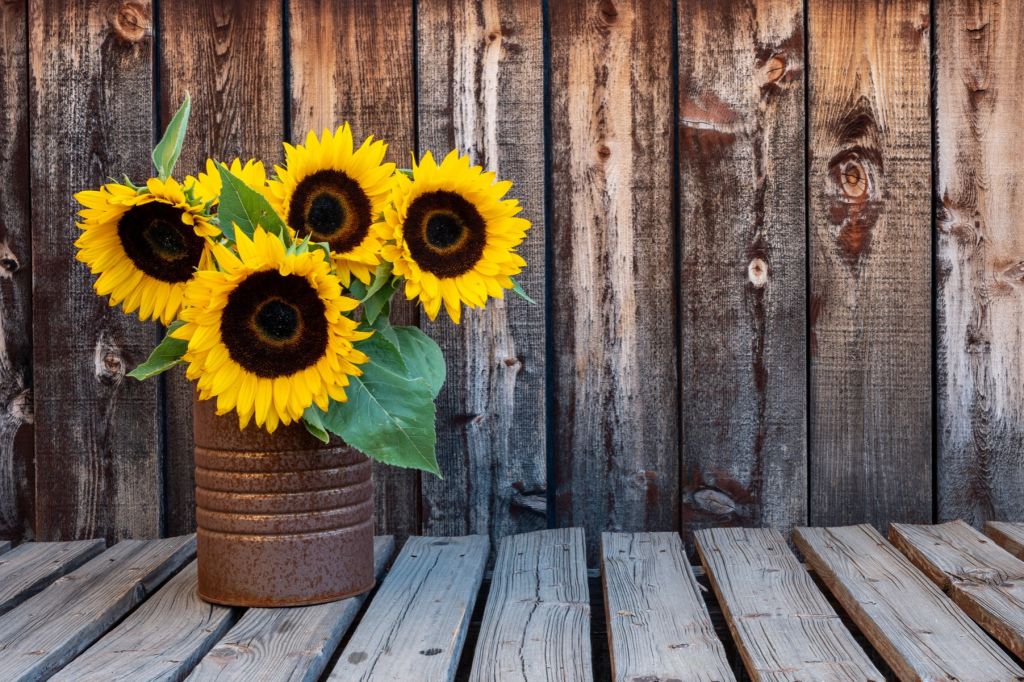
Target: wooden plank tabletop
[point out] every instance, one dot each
(436, 581)
(658, 625)
(5, 546)
(916, 628)
(783, 625)
(536, 625)
(1009, 536)
(34, 565)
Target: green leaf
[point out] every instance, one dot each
(243, 206)
(521, 293)
(384, 351)
(422, 356)
(168, 149)
(378, 303)
(388, 417)
(311, 420)
(166, 355)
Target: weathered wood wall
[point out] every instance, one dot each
(778, 244)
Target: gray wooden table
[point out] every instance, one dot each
(935, 603)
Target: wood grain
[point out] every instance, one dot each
(17, 458)
(1009, 536)
(228, 55)
(480, 69)
(353, 61)
(979, 259)
(744, 380)
(986, 581)
(97, 445)
(34, 565)
(435, 578)
(613, 302)
(163, 639)
(916, 628)
(870, 262)
(287, 644)
(658, 624)
(536, 625)
(51, 628)
(783, 625)
(5, 546)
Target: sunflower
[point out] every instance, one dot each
(451, 235)
(266, 332)
(144, 245)
(332, 192)
(206, 186)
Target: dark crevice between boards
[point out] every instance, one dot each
(548, 295)
(933, 110)
(808, 318)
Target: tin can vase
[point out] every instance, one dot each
(283, 519)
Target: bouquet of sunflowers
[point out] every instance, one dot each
(276, 291)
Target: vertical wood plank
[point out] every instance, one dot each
(614, 299)
(741, 136)
(98, 470)
(353, 61)
(481, 91)
(980, 259)
(16, 443)
(870, 262)
(228, 55)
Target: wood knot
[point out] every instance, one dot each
(852, 177)
(107, 362)
(493, 35)
(757, 273)
(774, 68)
(130, 21)
(603, 152)
(714, 501)
(609, 12)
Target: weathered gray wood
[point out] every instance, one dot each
(536, 624)
(34, 565)
(97, 438)
(1009, 536)
(658, 625)
(916, 628)
(481, 90)
(5, 547)
(870, 263)
(416, 624)
(784, 626)
(980, 248)
(17, 458)
(45, 632)
(287, 644)
(161, 640)
(334, 46)
(983, 579)
(613, 302)
(743, 269)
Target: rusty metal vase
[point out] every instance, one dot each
(283, 519)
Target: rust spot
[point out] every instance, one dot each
(757, 273)
(130, 21)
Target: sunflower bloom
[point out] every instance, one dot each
(144, 245)
(266, 332)
(207, 185)
(332, 192)
(452, 235)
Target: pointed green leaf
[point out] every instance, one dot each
(521, 293)
(311, 420)
(243, 206)
(168, 149)
(167, 354)
(422, 356)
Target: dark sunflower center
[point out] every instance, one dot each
(274, 325)
(445, 233)
(333, 208)
(158, 243)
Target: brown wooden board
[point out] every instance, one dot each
(17, 485)
(979, 256)
(287, 644)
(870, 262)
(1009, 536)
(784, 626)
(658, 625)
(744, 380)
(97, 443)
(536, 626)
(353, 61)
(983, 579)
(613, 301)
(44, 633)
(34, 565)
(481, 91)
(916, 628)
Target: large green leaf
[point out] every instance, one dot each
(423, 357)
(168, 149)
(243, 206)
(387, 416)
(166, 355)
